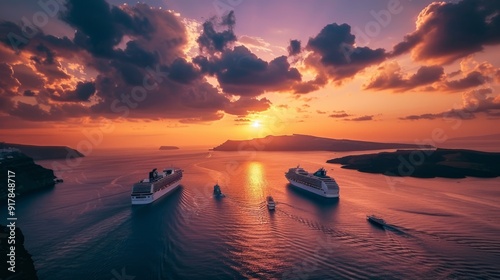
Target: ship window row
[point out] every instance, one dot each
(308, 183)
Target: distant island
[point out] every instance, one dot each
(28, 175)
(299, 142)
(44, 152)
(169, 148)
(446, 163)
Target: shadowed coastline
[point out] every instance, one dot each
(29, 176)
(446, 163)
(44, 152)
(24, 265)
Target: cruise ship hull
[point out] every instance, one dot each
(319, 192)
(150, 198)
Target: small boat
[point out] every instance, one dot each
(376, 221)
(217, 191)
(271, 205)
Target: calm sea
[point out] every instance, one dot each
(85, 228)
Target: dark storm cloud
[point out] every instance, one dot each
(211, 40)
(448, 31)
(29, 93)
(137, 55)
(101, 27)
(130, 73)
(48, 54)
(389, 76)
(11, 35)
(195, 101)
(97, 30)
(238, 70)
(334, 48)
(183, 72)
(294, 48)
(153, 53)
(82, 92)
(241, 72)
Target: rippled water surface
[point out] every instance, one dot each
(85, 228)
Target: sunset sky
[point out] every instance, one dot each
(183, 73)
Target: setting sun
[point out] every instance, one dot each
(256, 124)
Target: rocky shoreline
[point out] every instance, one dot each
(29, 176)
(446, 163)
(24, 265)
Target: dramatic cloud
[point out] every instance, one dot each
(310, 86)
(82, 92)
(8, 83)
(390, 76)
(448, 31)
(100, 27)
(29, 93)
(473, 79)
(294, 48)
(473, 102)
(212, 41)
(334, 51)
(240, 72)
(183, 72)
(29, 78)
(130, 62)
(243, 106)
(31, 112)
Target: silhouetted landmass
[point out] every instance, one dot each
(298, 142)
(169, 148)
(447, 163)
(29, 176)
(25, 268)
(44, 152)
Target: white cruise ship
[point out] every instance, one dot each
(157, 185)
(318, 182)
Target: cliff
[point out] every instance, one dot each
(24, 266)
(44, 152)
(447, 163)
(297, 142)
(28, 175)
